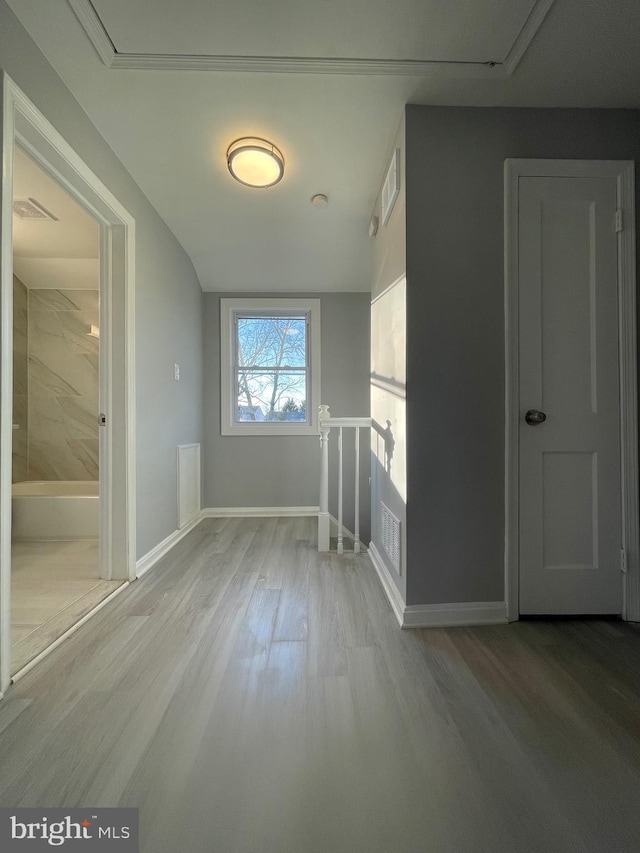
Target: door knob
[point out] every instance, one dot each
(534, 417)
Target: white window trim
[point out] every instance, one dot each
(228, 425)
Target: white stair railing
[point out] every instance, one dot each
(326, 423)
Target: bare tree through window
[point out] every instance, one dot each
(271, 367)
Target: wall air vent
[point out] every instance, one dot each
(389, 529)
(29, 208)
(391, 186)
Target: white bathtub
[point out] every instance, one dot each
(56, 509)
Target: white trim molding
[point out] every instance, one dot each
(333, 526)
(162, 548)
(526, 35)
(435, 615)
(259, 511)
(309, 65)
(627, 313)
(94, 28)
(6, 383)
(624, 172)
(455, 614)
(25, 124)
(230, 309)
(497, 70)
(394, 596)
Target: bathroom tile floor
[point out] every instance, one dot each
(53, 585)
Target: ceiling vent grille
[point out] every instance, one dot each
(389, 529)
(29, 208)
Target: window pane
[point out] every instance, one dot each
(271, 396)
(271, 342)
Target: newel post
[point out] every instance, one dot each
(324, 521)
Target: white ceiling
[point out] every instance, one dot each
(61, 253)
(334, 119)
(438, 30)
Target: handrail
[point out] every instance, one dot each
(346, 422)
(326, 422)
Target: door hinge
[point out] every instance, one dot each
(623, 561)
(619, 221)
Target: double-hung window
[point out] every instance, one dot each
(270, 366)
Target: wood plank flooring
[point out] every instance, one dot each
(252, 696)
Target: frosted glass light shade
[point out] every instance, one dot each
(255, 162)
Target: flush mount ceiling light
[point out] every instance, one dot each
(255, 162)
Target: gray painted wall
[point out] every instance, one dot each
(168, 294)
(388, 346)
(455, 370)
(283, 471)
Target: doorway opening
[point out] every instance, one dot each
(55, 556)
(77, 308)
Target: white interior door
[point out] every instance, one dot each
(569, 466)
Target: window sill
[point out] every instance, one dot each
(250, 430)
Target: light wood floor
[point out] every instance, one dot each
(252, 696)
(53, 585)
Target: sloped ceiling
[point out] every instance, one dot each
(170, 85)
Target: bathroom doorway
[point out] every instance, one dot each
(56, 576)
(71, 479)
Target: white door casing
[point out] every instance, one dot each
(571, 482)
(24, 124)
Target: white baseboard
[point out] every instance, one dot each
(436, 615)
(162, 548)
(408, 616)
(388, 584)
(259, 511)
(345, 530)
(450, 615)
(273, 512)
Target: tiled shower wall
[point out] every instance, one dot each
(20, 384)
(63, 385)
